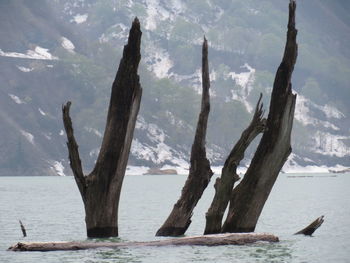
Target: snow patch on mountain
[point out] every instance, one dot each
(42, 112)
(117, 31)
(78, 18)
(24, 69)
(177, 6)
(58, 168)
(329, 144)
(157, 12)
(67, 44)
(332, 112)
(244, 81)
(16, 99)
(213, 154)
(194, 80)
(213, 75)
(37, 53)
(158, 152)
(177, 122)
(28, 136)
(303, 113)
(158, 61)
(292, 166)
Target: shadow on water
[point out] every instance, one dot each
(104, 255)
(114, 255)
(119, 255)
(272, 252)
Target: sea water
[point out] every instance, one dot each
(51, 209)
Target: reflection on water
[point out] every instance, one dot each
(115, 255)
(277, 252)
(52, 210)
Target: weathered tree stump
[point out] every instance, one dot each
(207, 240)
(224, 184)
(100, 190)
(310, 229)
(249, 197)
(200, 173)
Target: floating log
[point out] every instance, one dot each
(207, 240)
(310, 229)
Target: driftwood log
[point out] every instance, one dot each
(224, 185)
(310, 229)
(208, 240)
(200, 173)
(249, 197)
(100, 190)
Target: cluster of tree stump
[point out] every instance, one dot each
(100, 190)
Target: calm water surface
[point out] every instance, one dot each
(52, 210)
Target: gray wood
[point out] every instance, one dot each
(208, 240)
(249, 197)
(310, 229)
(224, 185)
(200, 173)
(100, 190)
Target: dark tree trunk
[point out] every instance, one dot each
(310, 229)
(100, 190)
(200, 173)
(224, 184)
(208, 240)
(249, 197)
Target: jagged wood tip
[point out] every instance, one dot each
(310, 229)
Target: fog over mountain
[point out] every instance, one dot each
(55, 51)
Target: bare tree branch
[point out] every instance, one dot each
(74, 158)
(249, 197)
(200, 173)
(224, 185)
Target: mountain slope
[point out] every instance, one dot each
(54, 51)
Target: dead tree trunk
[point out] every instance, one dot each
(310, 229)
(100, 190)
(200, 173)
(249, 197)
(224, 184)
(208, 240)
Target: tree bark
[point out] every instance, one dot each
(200, 173)
(310, 229)
(224, 185)
(249, 197)
(100, 190)
(208, 240)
